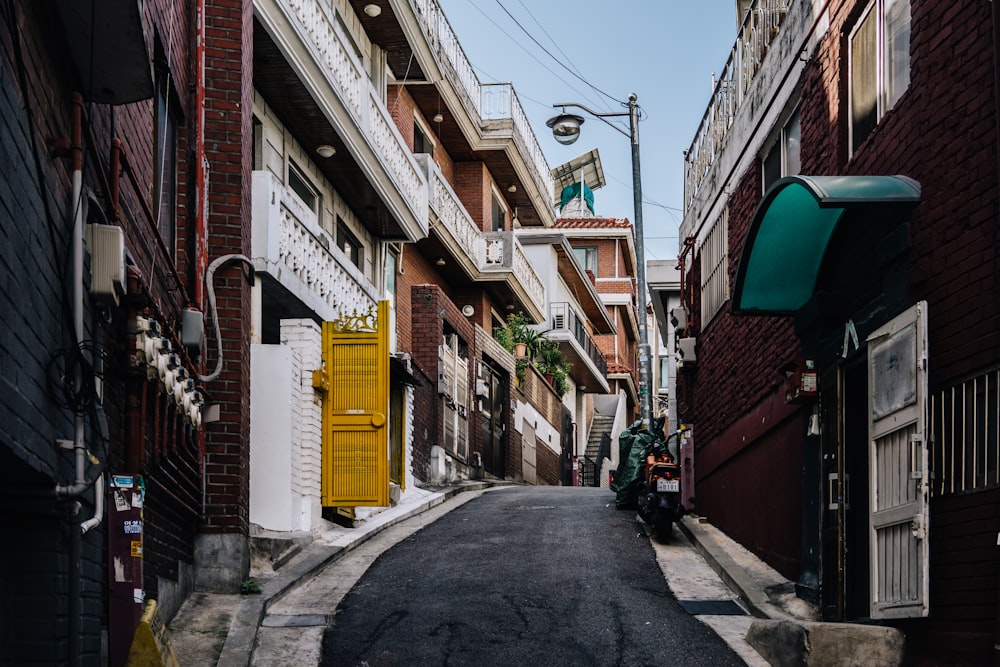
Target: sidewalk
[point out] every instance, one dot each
(786, 629)
(221, 628)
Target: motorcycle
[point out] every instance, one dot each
(648, 477)
(659, 494)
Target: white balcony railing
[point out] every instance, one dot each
(317, 27)
(494, 101)
(759, 29)
(288, 244)
(504, 253)
(453, 216)
(496, 252)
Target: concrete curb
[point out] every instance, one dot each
(242, 636)
(718, 556)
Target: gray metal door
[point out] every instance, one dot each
(899, 484)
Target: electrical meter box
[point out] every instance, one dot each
(801, 380)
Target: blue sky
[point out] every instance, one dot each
(665, 51)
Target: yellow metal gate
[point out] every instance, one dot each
(355, 431)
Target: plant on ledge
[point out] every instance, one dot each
(512, 332)
(551, 362)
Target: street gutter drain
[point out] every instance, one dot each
(295, 620)
(712, 607)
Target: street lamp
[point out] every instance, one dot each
(566, 130)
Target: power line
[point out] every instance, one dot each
(549, 54)
(531, 55)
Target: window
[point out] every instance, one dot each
(350, 244)
(301, 186)
(587, 257)
(421, 142)
(784, 159)
(879, 58)
(664, 375)
(499, 214)
(715, 268)
(165, 169)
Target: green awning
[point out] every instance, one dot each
(790, 230)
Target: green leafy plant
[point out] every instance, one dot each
(551, 361)
(512, 332)
(250, 587)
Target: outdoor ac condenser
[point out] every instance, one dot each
(106, 244)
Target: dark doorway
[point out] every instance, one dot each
(493, 413)
(856, 465)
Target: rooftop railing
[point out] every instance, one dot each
(760, 27)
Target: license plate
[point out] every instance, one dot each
(668, 485)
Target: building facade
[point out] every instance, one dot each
(839, 262)
(116, 197)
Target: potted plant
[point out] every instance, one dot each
(511, 332)
(552, 363)
(533, 340)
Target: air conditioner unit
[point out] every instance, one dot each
(685, 352)
(679, 319)
(106, 244)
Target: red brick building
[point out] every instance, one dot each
(840, 281)
(123, 176)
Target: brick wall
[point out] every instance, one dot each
(942, 132)
(228, 102)
(472, 185)
(432, 311)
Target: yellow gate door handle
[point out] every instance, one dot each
(378, 420)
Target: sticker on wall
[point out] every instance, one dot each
(121, 501)
(136, 549)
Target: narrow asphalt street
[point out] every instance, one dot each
(517, 575)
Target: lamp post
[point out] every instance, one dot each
(566, 130)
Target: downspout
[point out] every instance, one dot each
(201, 212)
(74, 586)
(201, 163)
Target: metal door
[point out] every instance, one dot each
(493, 414)
(355, 432)
(899, 484)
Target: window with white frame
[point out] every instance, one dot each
(715, 268)
(349, 243)
(499, 214)
(422, 142)
(879, 61)
(784, 158)
(303, 187)
(587, 257)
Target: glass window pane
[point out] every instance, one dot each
(792, 135)
(864, 80)
(897, 49)
(894, 373)
(772, 167)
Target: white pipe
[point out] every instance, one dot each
(95, 521)
(209, 277)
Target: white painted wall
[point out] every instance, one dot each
(286, 431)
(271, 423)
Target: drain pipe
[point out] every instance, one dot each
(74, 587)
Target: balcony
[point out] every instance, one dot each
(289, 248)
(758, 32)
(504, 259)
(589, 367)
(495, 111)
(307, 69)
(495, 257)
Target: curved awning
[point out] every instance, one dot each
(791, 229)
